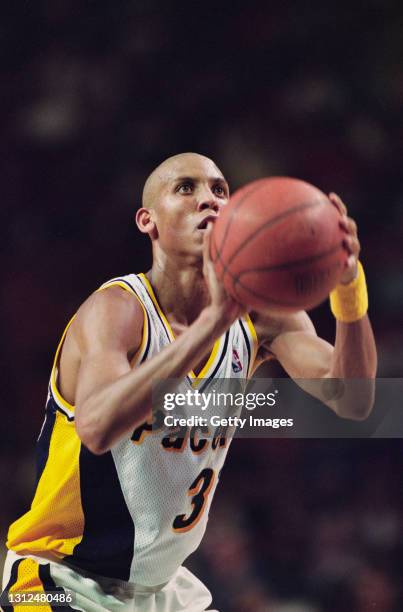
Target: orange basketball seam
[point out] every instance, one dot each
(295, 262)
(269, 224)
(236, 279)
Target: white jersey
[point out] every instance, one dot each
(137, 512)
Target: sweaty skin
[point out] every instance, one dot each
(95, 373)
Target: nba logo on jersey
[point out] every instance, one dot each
(236, 362)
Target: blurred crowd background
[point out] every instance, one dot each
(94, 95)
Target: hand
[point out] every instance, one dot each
(227, 309)
(351, 242)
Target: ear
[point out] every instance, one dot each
(145, 223)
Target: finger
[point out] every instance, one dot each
(356, 247)
(348, 242)
(348, 225)
(206, 241)
(336, 199)
(346, 245)
(352, 245)
(352, 226)
(351, 263)
(338, 202)
(333, 199)
(207, 260)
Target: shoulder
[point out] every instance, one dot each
(111, 317)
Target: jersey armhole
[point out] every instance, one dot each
(57, 396)
(143, 349)
(139, 356)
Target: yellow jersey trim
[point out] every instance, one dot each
(53, 376)
(254, 344)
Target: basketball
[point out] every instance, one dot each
(278, 245)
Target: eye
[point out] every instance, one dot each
(185, 188)
(219, 191)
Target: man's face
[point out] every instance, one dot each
(191, 190)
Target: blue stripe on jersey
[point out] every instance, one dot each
(49, 586)
(108, 540)
(10, 583)
(43, 443)
(245, 335)
(55, 406)
(144, 357)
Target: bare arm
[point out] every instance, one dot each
(111, 398)
(308, 358)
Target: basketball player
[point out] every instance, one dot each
(117, 509)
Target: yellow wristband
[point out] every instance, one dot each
(349, 303)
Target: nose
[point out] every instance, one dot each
(208, 202)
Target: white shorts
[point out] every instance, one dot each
(183, 593)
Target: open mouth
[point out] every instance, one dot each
(203, 224)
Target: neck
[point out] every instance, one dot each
(180, 288)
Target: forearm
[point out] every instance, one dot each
(117, 408)
(353, 369)
(354, 357)
(354, 354)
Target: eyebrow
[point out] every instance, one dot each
(211, 179)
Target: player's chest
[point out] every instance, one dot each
(199, 366)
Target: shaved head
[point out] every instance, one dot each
(177, 196)
(180, 163)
